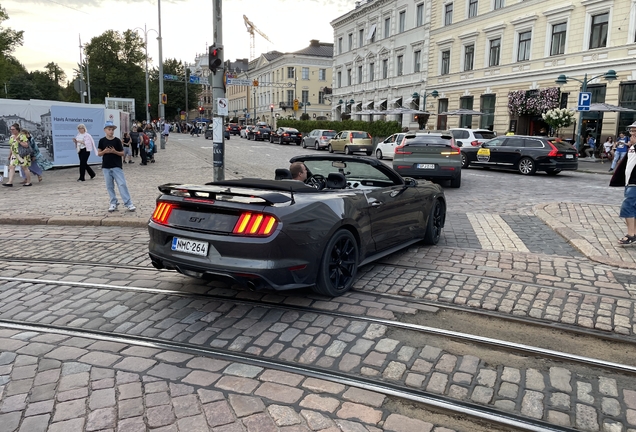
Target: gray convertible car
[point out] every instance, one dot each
(286, 234)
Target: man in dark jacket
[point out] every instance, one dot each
(625, 176)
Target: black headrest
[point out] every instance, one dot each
(282, 174)
(336, 181)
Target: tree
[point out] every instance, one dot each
(55, 72)
(174, 90)
(9, 39)
(22, 87)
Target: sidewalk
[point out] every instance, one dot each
(597, 166)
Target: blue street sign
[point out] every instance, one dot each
(169, 77)
(194, 79)
(247, 115)
(585, 100)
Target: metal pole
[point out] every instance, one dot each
(579, 127)
(147, 86)
(186, 91)
(81, 77)
(254, 119)
(162, 108)
(218, 91)
(88, 79)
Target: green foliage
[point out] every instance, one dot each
(174, 90)
(9, 39)
(304, 116)
(376, 128)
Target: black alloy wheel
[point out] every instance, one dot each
(435, 223)
(464, 160)
(339, 265)
(527, 166)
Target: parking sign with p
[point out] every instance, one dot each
(585, 100)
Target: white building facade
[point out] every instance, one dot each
(381, 51)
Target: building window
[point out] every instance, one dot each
(627, 99)
(419, 14)
(321, 97)
(385, 68)
(360, 37)
(495, 50)
(416, 61)
(498, 4)
(598, 35)
(305, 96)
(469, 57)
(558, 39)
(448, 14)
(305, 73)
(445, 70)
(523, 52)
(290, 97)
(291, 72)
(339, 45)
(339, 79)
(350, 38)
(400, 65)
(402, 22)
(348, 77)
(466, 121)
(359, 74)
(472, 8)
(487, 121)
(387, 27)
(371, 36)
(371, 71)
(442, 106)
(322, 74)
(563, 102)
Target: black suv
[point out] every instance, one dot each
(526, 154)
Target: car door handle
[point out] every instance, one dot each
(376, 203)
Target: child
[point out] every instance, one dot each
(150, 151)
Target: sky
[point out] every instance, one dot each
(52, 28)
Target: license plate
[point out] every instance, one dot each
(426, 166)
(193, 247)
(363, 149)
(569, 156)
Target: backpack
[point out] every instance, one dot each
(146, 139)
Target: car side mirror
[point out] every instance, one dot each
(460, 144)
(410, 182)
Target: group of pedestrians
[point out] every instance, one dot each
(25, 155)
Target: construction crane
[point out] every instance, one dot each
(251, 28)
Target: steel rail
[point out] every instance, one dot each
(420, 396)
(497, 343)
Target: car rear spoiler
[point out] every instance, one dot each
(220, 191)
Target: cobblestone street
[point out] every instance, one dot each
(544, 256)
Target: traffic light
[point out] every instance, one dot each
(215, 58)
(201, 109)
(149, 105)
(271, 107)
(295, 104)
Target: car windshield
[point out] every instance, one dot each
(561, 145)
(427, 140)
(485, 134)
(353, 170)
(329, 134)
(292, 130)
(362, 135)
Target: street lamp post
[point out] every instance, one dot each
(162, 108)
(610, 76)
(416, 95)
(305, 105)
(146, 30)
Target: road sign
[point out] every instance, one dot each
(585, 100)
(169, 77)
(194, 79)
(164, 99)
(247, 115)
(239, 81)
(222, 106)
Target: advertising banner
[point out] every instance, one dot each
(64, 122)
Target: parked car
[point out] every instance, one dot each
(524, 153)
(431, 155)
(259, 133)
(471, 137)
(386, 148)
(245, 130)
(286, 135)
(255, 230)
(209, 132)
(234, 128)
(318, 138)
(351, 142)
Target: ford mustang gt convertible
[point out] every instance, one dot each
(285, 234)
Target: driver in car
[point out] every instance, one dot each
(298, 171)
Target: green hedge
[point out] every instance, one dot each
(376, 128)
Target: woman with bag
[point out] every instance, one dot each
(38, 162)
(20, 155)
(85, 145)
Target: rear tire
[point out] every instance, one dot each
(369, 152)
(553, 172)
(435, 223)
(347, 151)
(378, 154)
(527, 166)
(456, 182)
(316, 146)
(330, 148)
(339, 265)
(303, 144)
(465, 162)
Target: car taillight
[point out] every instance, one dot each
(255, 224)
(474, 143)
(162, 212)
(300, 134)
(399, 150)
(554, 152)
(285, 134)
(257, 133)
(453, 151)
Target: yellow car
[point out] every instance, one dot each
(351, 142)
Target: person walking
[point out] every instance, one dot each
(16, 140)
(625, 176)
(135, 141)
(85, 145)
(166, 131)
(38, 162)
(111, 150)
(126, 142)
(620, 150)
(143, 143)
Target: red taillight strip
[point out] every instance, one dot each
(162, 212)
(255, 224)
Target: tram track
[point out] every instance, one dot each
(510, 421)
